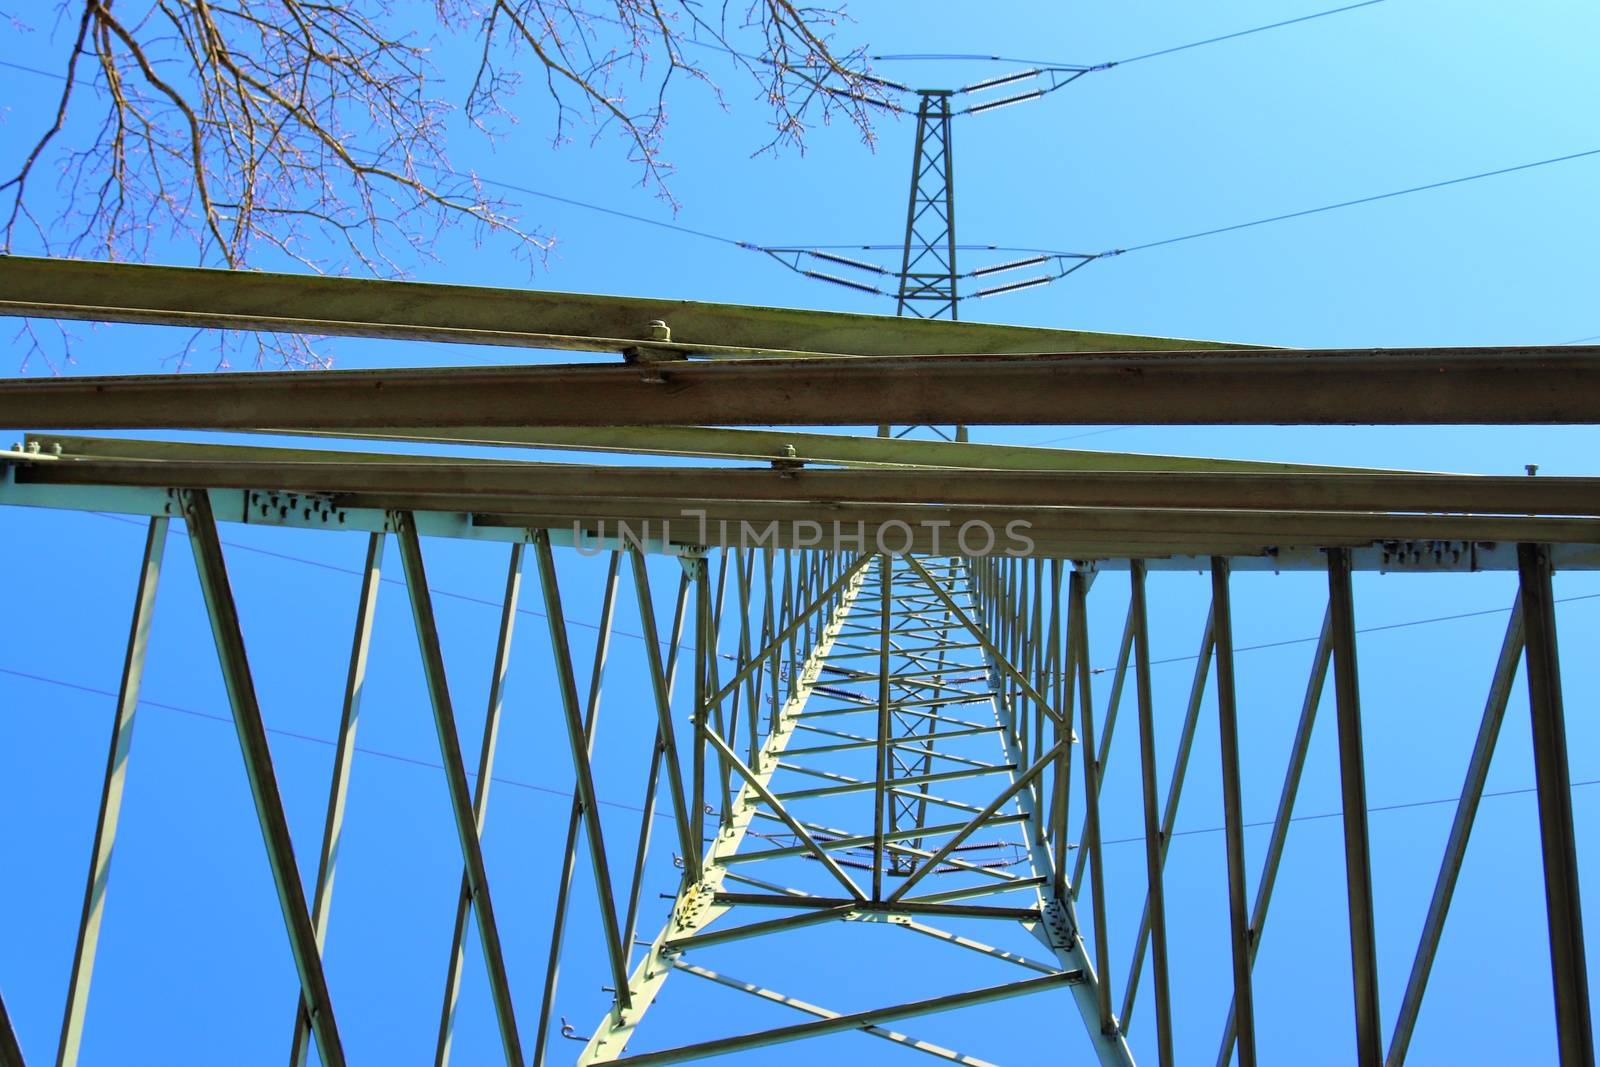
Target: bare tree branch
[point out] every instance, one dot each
(315, 131)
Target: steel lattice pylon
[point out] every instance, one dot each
(928, 263)
(876, 656)
(888, 727)
(928, 268)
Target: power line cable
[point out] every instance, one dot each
(1352, 203)
(414, 761)
(1242, 33)
(58, 76)
(1071, 260)
(295, 734)
(1371, 809)
(645, 219)
(1079, 259)
(1088, 67)
(1076, 436)
(1360, 630)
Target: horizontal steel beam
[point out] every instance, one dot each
(469, 314)
(316, 512)
(1410, 386)
(852, 1021)
(936, 1051)
(896, 907)
(308, 470)
(715, 442)
(585, 496)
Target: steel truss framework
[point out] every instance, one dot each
(870, 736)
(928, 268)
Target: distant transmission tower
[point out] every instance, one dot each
(928, 268)
(928, 264)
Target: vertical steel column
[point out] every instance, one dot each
(480, 799)
(1233, 811)
(770, 622)
(713, 680)
(105, 827)
(1153, 841)
(252, 733)
(885, 568)
(752, 690)
(1077, 589)
(1280, 822)
(1175, 792)
(455, 774)
(1033, 663)
(702, 636)
(790, 606)
(584, 792)
(343, 755)
(1455, 848)
(661, 683)
(1055, 680)
(1101, 755)
(1353, 796)
(1169, 814)
(1014, 653)
(569, 850)
(10, 1050)
(803, 587)
(1569, 971)
(665, 749)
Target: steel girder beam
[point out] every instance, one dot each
(1063, 531)
(1387, 551)
(1402, 386)
(204, 466)
(425, 311)
(1106, 509)
(710, 442)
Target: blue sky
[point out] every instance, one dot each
(193, 965)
